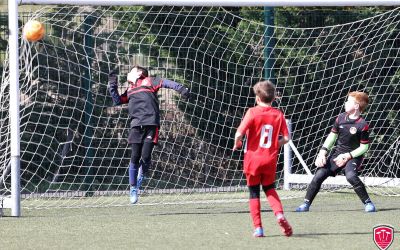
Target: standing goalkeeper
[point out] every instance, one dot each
(144, 112)
(350, 133)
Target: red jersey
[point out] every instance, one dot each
(262, 126)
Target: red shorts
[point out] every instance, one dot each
(264, 179)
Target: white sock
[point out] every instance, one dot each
(279, 216)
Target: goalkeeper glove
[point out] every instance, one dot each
(112, 77)
(185, 93)
(321, 159)
(113, 72)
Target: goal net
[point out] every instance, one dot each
(74, 149)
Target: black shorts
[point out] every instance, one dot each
(142, 134)
(351, 165)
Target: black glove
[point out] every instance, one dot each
(112, 77)
(185, 93)
(113, 72)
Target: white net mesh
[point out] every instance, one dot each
(73, 141)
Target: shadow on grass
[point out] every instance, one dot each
(204, 213)
(269, 210)
(356, 209)
(316, 235)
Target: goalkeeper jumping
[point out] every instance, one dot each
(144, 112)
(350, 133)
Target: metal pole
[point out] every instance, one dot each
(87, 86)
(270, 3)
(269, 43)
(14, 108)
(287, 159)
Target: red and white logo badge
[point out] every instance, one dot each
(353, 130)
(383, 236)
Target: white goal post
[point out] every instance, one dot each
(14, 201)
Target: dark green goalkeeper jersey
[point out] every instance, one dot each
(351, 133)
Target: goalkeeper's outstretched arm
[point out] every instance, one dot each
(185, 93)
(113, 89)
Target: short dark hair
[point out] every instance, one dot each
(145, 72)
(265, 90)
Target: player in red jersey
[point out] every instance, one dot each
(262, 125)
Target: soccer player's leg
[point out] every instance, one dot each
(268, 185)
(140, 176)
(253, 183)
(358, 186)
(133, 172)
(145, 162)
(135, 140)
(151, 138)
(314, 187)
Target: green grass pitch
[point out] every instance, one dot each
(336, 221)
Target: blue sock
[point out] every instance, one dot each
(145, 166)
(133, 171)
(141, 172)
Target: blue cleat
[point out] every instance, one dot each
(370, 207)
(133, 195)
(258, 232)
(305, 207)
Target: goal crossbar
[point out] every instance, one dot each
(268, 3)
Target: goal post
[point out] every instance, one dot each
(14, 110)
(221, 93)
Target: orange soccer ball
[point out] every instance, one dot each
(33, 31)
